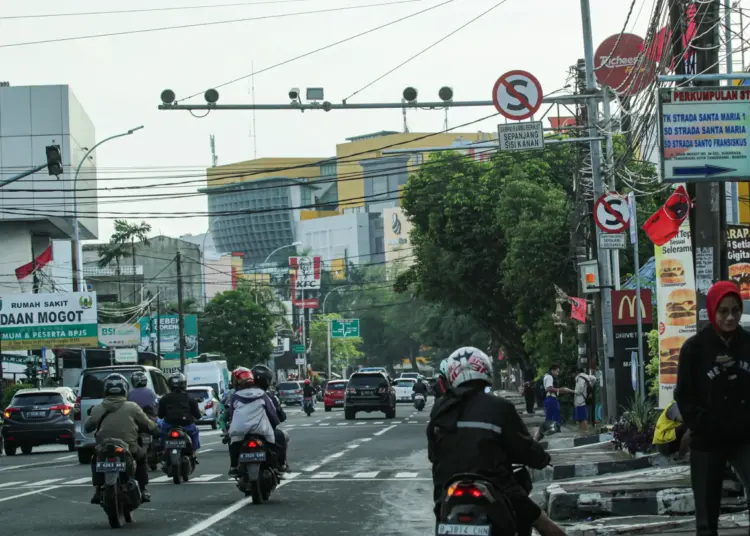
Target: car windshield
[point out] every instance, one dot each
(367, 380)
(198, 396)
(404, 383)
(36, 399)
(289, 386)
(336, 386)
(92, 385)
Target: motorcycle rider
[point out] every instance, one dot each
(442, 385)
(419, 387)
(309, 391)
(178, 409)
(118, 418)
(225, 398)
(489, 435)
(142, 394)
(251, 411)
(263, 380)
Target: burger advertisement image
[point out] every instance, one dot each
(738, 257)
(677, 306)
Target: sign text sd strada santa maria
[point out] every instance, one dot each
(33, 321)
(517, 95)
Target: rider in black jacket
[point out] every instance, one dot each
(471, 431)
(178, 409)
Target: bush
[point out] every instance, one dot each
(635, 431)
(11, 390)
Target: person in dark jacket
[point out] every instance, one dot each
(178, 409)
(471, 431)
(713, 394)
(142, 395)
(419, 387)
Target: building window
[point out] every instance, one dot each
(379, 244)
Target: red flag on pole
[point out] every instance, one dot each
(664, 224)
(22, 272)
(578, 309)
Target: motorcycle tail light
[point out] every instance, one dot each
(174, 434)
(463, 518)
(119, 450)
(254, 444)
(463, 490)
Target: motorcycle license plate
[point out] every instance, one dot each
(253, 457)
(175, 443)
(146, 440)
(474, 530)
(110, 467)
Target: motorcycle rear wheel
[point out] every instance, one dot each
(176, 475)
(255, 491)
(115, 508)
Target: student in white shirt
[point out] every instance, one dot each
(584, 385)
(551, 404)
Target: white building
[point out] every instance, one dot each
(337, 237)
(31, 118)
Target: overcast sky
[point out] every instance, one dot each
(118, 79)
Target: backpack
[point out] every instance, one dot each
(541, 391)
(588, 393)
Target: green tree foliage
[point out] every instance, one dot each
(652, 367)
(344, 352)
(126, 233)
(235, 326)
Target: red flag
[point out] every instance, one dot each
(578, 309)
(22, 272)
(664, 224)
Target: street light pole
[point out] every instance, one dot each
(77, 260)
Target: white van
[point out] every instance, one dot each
(213, 374)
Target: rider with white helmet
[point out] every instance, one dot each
(489, 435)
(442, 385)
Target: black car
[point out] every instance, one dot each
(39, 417)
(369, 391)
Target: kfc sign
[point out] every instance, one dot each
(306, 272)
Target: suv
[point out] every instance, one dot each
(290, 392)
(91, 393)
(369, 391)
(39, 417)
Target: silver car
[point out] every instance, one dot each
(208, 403)
(91, 393)
(290, 392)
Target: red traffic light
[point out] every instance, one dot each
(54, 160)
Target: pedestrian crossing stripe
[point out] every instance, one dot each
(356, 423)
(425, 474)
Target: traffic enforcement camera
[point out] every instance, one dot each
(54, 160)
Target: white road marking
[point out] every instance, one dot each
(84, 480)
(205, 450)
(337, 455)
(289, 476)
(361, 422)
(204, 478)
(160, 479)
(366, 439)
(352, 446)
(311, 468)
(326, 475)
(407, 475)
(44, 482)
(66, 457)
(220, 515)
(413, 422)
(343, 424)
(378, 422)
(31, 465)
(325, 424)
(307, 424)
(42, 490)
(384, 430)
(11, 484)
(371, 474)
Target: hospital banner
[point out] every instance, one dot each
(676, 305)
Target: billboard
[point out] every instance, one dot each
(33, 321)
(396, 240)
(306, 274)
(170, 336)
(119, 335)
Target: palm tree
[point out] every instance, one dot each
(113, 252)
(128, 232)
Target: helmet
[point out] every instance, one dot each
(116, 385)
(467, 364)
(178, 382)
(139, 379)
(307, 382)
(263, 376)
(244, 379)
(444, 368)
(235, 373)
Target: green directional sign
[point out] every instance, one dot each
(298, 349)
(342, 329)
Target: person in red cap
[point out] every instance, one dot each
(713, 394)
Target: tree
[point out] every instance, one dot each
(344, 352)
(128, 233)
(113, 252)
(234, 325)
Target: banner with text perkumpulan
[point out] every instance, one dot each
(33, 321)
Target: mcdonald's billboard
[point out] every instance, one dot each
(623, 307)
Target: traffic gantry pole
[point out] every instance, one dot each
(329, 349)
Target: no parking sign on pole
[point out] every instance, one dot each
(517, 95)
(612, 213)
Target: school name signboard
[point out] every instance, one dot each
(33, 321)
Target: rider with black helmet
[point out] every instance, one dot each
(178, 409)
(263, 380)
(142, 394)
(118, 418)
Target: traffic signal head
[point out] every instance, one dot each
(54, 160)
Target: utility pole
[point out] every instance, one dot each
(605, 272)
(180, 313)
(329, 349)
(158, 323)
(708, 219)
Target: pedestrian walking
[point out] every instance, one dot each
(713, 395)
(551, 403)
(529, 396)
(584, 399)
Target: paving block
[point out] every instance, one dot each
(729, 525)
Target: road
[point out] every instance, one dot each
(368, 476)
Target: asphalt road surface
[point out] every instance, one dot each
(368, 476)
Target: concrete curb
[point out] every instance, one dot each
(554, 443)
(562, 505)
(580, 470)
(650, 525)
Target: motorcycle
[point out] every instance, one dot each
(307, 405)
(419, 401)
(153, 448)
(471, 505)
(177, 463)
(120, 492)
(257, 473)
